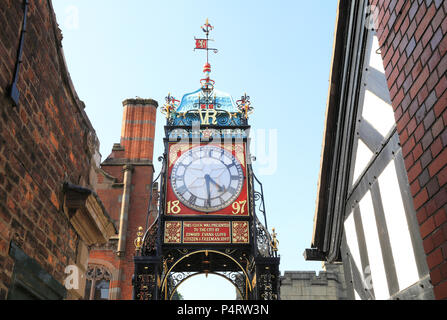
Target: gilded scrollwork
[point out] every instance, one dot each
(145, 285)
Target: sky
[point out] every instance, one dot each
(278, 52)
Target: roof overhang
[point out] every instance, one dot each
(323, 218)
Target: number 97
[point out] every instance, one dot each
(239, 207)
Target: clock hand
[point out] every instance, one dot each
(208, 189)
(191, 185)
(192, 168)
(218, 172)
(220, 188)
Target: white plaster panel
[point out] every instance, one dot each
(398, 230)
(377, 269)
(363, 157)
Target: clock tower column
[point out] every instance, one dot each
(211, 217)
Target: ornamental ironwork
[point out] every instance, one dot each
(189, 237)
(267, 285)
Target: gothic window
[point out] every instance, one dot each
(98, 283)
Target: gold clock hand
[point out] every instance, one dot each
(220, 188)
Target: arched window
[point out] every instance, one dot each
(98, 283)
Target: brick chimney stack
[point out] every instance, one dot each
(124, 186)
(138, 128)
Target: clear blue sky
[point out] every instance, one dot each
(279, 52)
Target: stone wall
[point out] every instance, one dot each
(329, 284)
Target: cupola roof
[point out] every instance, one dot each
(223, 101)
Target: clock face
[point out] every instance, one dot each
(207, 178)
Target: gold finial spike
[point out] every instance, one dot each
(138, 242)
(206, 22)
(275, 241)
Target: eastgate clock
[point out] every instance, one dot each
(207, 178)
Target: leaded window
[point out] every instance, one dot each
(98, 283)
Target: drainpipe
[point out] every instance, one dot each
(124, 210)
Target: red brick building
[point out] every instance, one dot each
(124, 185)
(49, 211)
(418, 86)
(382, 199)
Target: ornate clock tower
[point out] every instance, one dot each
(211, 216)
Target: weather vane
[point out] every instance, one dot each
(203, 44)
(207, 102)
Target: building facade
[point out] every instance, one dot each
(125, 187)
(381, 205)
(50, 213)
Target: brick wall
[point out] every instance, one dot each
(414, 45)
(44, 141)
(135, 149)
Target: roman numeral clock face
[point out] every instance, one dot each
(207, 178)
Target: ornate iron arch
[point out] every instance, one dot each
(237, 275)
(224, 276)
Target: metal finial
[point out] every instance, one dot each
(138, 242)
(275, 241)
(170, 106)
(244, 106)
